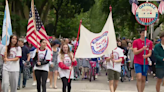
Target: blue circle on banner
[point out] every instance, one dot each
(147, 14)
(100, 44)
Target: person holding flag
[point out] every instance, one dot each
(138, 49)
(116, 57)
(66, 61)
(11, 65)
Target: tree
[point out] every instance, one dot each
(63, 11)
(1, 15)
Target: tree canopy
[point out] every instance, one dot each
(62, 17)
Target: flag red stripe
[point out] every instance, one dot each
(30, 22)
(43, 35)
(30, 28)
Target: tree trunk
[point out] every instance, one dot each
(56, 22)
(46, 11)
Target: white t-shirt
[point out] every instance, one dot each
(41, 55)
(65, 72)
(1, 60)
(12, 65)
(118, 53)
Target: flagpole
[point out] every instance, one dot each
(75, 47)
(33, 16)
(6, 28)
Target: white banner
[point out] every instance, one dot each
(92, 45)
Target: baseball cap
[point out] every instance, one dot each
(55, 42)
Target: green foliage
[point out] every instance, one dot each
(62, 17)
(1, 15)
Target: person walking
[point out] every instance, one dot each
(31, 49)
(1, 66)
(54, 63)
(114, 72)
(41, 57)
(138, 49)
(131, 60)
(24, 62)
(11, 65)
(85, 65)
(159, 55)
(66, 63)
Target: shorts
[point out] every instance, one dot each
(140, 69)
(85, 69)
(160, 73)
(113, 75)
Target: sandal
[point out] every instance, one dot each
(55, 87)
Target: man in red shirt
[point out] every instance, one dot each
(138, 49)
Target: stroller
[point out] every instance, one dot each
(124, 70)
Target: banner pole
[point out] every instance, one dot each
(110, 8)
(75, 47)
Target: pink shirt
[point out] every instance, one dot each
(138, 43)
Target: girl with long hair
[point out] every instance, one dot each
(42, 56)
(131, 59)
(11, 65)
(66, 63)
(54, 64)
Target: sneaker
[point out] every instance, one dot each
(96, 76)
(34, 83)
(48, 80)
(147, 82)
(18, 88)
(58, 77)
(23, 86)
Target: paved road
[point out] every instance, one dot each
(100, 85)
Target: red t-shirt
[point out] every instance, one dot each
(138, 43)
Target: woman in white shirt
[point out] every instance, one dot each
(66, 61)
(41, 58)
(11, 65)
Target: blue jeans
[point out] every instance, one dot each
(125, 69)
(24, 79)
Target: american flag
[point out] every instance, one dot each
(31, 35)
(161, 7)
(134, 8)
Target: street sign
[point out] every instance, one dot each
(147, 14)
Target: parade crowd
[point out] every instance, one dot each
(124, 63)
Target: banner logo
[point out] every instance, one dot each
(147, 14)
(99, 44)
